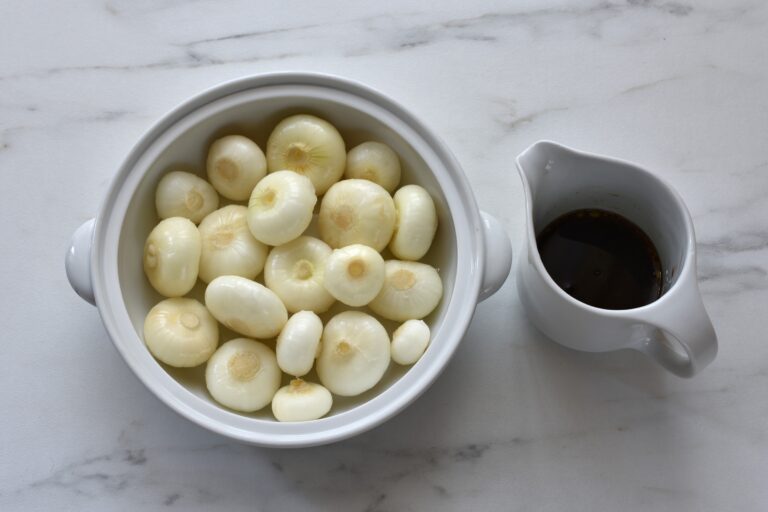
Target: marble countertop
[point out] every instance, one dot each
(515, 422)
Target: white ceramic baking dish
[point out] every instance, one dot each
(104, 262)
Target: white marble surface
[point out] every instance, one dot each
(515, 422)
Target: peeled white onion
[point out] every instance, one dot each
(235, 164)
(375, 162)
(183, 194)
(228, 247)
(243, 375)
(301, 401)
(357, 212)
(172, 256)
(309, 146)
(298, 343)
(354, 274)
(245, 306)
(181, 332)
(416, 223)
(354, 353)
(280, 208)
(294, 271)
(411, 290)
(409, 341)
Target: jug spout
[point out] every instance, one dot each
(536, 162)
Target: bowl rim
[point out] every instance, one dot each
(469, 270)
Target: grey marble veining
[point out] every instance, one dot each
(515, 422)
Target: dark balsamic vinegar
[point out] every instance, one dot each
(602, 259)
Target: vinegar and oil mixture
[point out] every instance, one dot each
(602, 259)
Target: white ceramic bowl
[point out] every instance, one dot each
(104, 265)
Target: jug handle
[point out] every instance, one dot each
(683, 316)
(498, 255)
(78, 261)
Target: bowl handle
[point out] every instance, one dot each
(498, 255)
(78, 261)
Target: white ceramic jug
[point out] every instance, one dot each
(674, 330)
